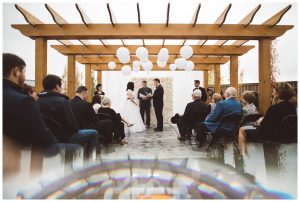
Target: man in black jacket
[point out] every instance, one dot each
(203, 91)
(59, 117)
(194, 113)
(158, 104)
(145, 102)
(86, 116)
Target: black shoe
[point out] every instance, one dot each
(158, 130)
(148, 126)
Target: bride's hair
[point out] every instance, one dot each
(130, 85)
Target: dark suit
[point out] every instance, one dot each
(88, 119)
(22, 120)
(145, 104)
(194, 113)
(203, 91)
(158, 104)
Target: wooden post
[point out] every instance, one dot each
(71, 76)
(217, 78)
(234, 68)
(40, 62)
(99, 76)
(205, 79)
(88, 77)
(264, 74)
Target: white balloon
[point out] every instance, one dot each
(147, 66)
(186, 52)
(126, 70)
(189, 66)
(141, 52)
(136, 68)
(162, 57)
(161, 64)
(144, 60)
(111, 65)
(172, 67)
(164, 51)
(122, 52)
(180, 63)
(124, 59)
(136, 63)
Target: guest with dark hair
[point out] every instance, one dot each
(248, 104)
(203, 91)
(99, 90)
(270, 123)
(130, 86)
(158, 104)
(59, 117)
(96, 102)
(86, 116)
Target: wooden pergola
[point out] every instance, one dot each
(206, 57)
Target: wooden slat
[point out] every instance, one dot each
(168, 15)
(58, 19)
(196, 14)
(85, 19)
(202, 42)
(275, 19)
(28, 16)
(221, 19)
(249, 18)
(66, 43)
(139, 14)
(153, 31)
(107, 59)
(152, 49)
(111, 15)
(85, 42)
(239, 42)
(104, 43)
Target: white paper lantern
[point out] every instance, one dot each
(164, 51)
(141, 52)
(122, 52)
(172, 67)
(180, 63)
(136, 68)
(161, 64)
(147, 66)
(126, 70)
(162, 57)
(144, 59)
(186, 52)
(136, 63)
(124, 59)
(111, 65)
(189, 66)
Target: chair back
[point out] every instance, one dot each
(251, 118)
(103, 116)
(287, 132)
(229, 123)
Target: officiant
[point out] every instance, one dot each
(144, 95)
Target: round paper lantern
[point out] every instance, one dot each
(136, 63)
(189, 66)
(180, 63)
(147, 66)
(124, 59)
(144, 60)
(111, 65)
(161, 64)
(164, 51)
(126, 70)
(122, 52)
(162, 57)
(136, 68)
(172, 67)
(141, 52)
(186, 52)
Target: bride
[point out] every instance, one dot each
(131, 112)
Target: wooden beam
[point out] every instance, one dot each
(88, 79)
(103, 67)
(217, 78)
(71, 76)
(85, 19)
(152, 49)
(153, 31)
(221, 19)
(275, 19)
(196, 14)
(40, 62)
(168, 15)
(234, 67)
(58, 19)
(264, 84)
(139, 14)
(205, 79)
(153, 59)
(32, 20)
(99, 76)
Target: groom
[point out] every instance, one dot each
(158, 103)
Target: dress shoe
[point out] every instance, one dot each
(158, 130)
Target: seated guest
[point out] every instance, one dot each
(248, 103)
(203, 91)
(59, 117)
(216, 97)
(118, 125)
(226, 107)
(194, 113)
(256, 100)
(293, 99)
(96, 102)
(99, 90)
(86, 116)
(270, 123)
(28, 90)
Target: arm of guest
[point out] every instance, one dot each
(214, 116)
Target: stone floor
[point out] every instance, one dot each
(273, 167)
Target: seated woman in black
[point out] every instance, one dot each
(118, 125)
(269, 124)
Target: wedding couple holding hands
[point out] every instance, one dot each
(136, 105)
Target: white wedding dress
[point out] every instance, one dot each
(131, 113)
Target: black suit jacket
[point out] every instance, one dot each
(22, 120)
(144, 91)
(84, 112)
(204, 95)
(158, 96)
(195, 112)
